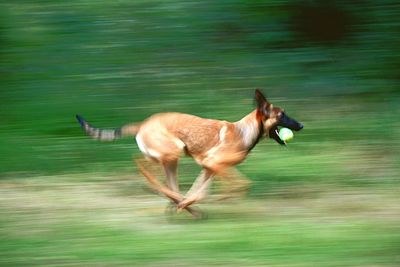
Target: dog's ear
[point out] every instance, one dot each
(260, 98)
(262, 104)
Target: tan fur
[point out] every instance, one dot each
(215, 145)
(130, 129)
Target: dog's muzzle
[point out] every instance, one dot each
(286, 122)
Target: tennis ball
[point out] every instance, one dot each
(285, 134)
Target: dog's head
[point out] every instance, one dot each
(274, 117)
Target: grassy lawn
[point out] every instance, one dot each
(57, 221)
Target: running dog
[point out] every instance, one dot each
(215, 145)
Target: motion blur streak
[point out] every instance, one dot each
(330, 198)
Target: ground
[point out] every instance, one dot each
(87, 219)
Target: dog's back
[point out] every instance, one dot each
(172, 133)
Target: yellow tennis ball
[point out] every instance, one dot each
(285, 134)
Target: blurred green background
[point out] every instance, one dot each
(331, 198)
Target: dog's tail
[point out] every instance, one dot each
(108, 134)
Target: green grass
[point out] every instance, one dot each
(56, 221)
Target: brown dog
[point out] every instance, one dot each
(215, 145)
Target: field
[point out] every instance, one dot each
(330, 198)
(92, 220)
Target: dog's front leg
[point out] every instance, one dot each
(233, 184)
(198, 190)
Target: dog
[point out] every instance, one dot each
(215, 145)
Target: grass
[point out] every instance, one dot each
(56, 221)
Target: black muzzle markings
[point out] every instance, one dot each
(287, 122)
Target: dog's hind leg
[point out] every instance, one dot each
(157, 185)
(170, 168)
(174, 196)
